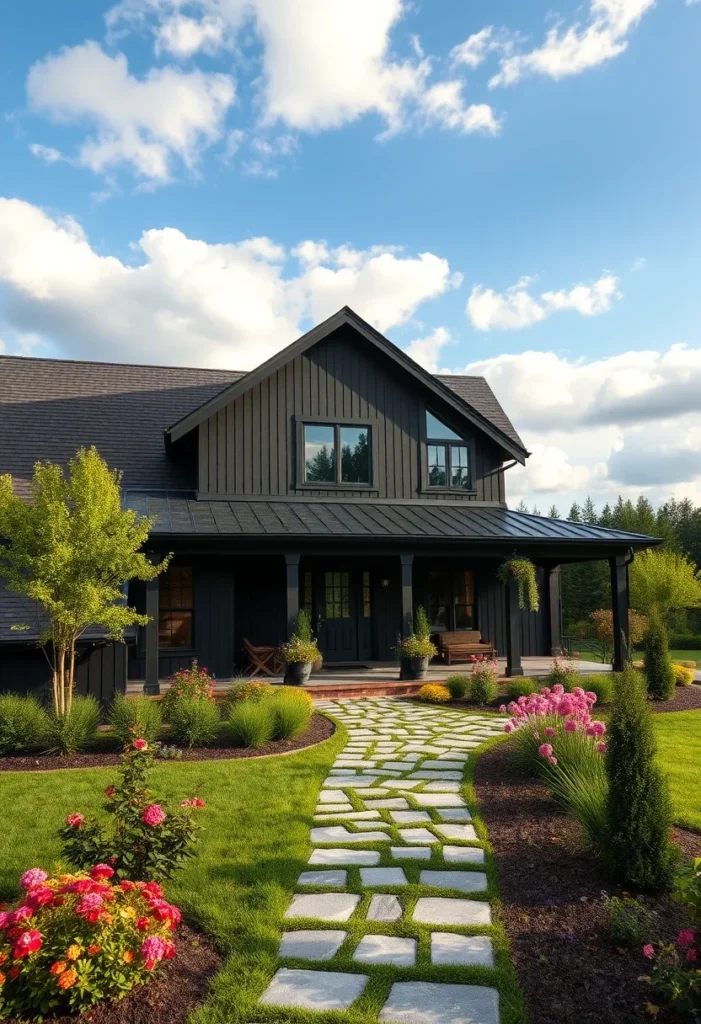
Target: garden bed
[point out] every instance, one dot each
(172, 995)
(321, 728)
(568, 966)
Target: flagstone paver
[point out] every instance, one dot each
(397, 782)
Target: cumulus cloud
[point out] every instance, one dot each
(427, 351)
(188, 302)
(517, 308)
(48, 154)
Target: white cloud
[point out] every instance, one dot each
(186, 301)
(427, 351)
(46, 153)
(517, 308)
(183, 36)
(638, 264)
(473, 51)
(578, 47)
(143, 123)
(444, 104)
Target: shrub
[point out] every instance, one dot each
(630, 922)
(434, 693)
(638, 848)
(250, 723)
(248, 691)
(76, 729)
(682, 642)
(602, 685)
(301, 647)
(458, 686)
(683, 676)
(676, 976)
(602, 629)
(135, 717)
(563, 673)
(516, 688)
(194, 721)
(23, 724)
(658, 666)
(483, 684)
(141, 839)
(193, 683)
(76, 940)
(291, 716)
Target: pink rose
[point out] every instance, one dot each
(153, 949)
(101, 871)
(28, 942)
(21, 914)
(75, 820)
(686, 937)
(649, 951)
(153, 815)
(5, 921)
(140, 744)
(30, 879)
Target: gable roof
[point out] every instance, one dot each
(499, 429)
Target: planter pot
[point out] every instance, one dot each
(413, 668)
(297, 673)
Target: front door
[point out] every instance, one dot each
(344, 622)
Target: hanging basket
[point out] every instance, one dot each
(522, 570)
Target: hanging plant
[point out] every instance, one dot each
(523, 571)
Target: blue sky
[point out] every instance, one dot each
(503, 188)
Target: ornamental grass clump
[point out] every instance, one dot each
(434, 693)
(194, 722)
(516, 688)
(135, 717)
(291, 716)
(76, 728)
(483, 681)
(24, 724)
(141, 839)
(602, 685)
(75, 940)
(250, 723)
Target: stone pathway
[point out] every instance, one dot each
(396, 858)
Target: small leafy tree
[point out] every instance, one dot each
(662, 580)
(71, 549)
(658, 664)
(602, 628)
(637, 846)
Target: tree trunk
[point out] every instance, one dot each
(71, 677)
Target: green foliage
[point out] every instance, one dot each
(301, 647)
(516, 688)
(253, 691)
(291, 716)
(483, 683)
(71, 548)
(418, 643)
(194, 722)
(422, 627)
(662, 579)
(578, 785)
(250, 723)
(23, 724)
(141, 840)
(630, 921)
(563, 673)
(458, 686)
(523, 571)
(135, 717)
(602, 685)
(638, 849)
(76, 728)
(676, 976)
(602, 629)
(193, 683)
(658, 664)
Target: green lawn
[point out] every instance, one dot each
(258, 816)
(675, 656)
(679, 745)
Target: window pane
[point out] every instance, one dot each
(366, 595)
(463, 616)
(437, 476)
(175, 629)
(458, 466)
(436, 429)
(355, 456)
(319, 454)
(337, 595)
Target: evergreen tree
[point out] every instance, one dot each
(589, 512)
(522, 506)
(637, 846)
(575, 513)
(535, 511)
(606, 517)
(553, 512)
(658, 664)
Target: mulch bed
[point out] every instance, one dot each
(174, 992)
(568, 967)
(321, 728)
(686, 698)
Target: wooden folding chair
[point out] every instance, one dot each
(261, 659)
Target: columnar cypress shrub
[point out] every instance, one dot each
(637, 846)
(658, 664)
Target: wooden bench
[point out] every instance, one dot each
(460, 646)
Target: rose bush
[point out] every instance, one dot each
(143, 840)
(194, 683)
(76, 939)
(676, 971)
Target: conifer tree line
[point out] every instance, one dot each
(586, 585)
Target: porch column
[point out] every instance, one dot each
(513, 630)
(152, 686)
(555, 609)
(292, 567)
(407, 593)
(619, 597)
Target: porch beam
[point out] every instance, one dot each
(407, 563)
(619, 604)
(513, 630)
(292, 570)
(152, 686)
(555, 609)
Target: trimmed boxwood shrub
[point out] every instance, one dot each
(23, 724)
(522, 687)
(458, 686)
(135, 717)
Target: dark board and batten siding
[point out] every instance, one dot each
(249, 447)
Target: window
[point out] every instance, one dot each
(366, 595)
(175, 606)
(308, 596)
(335, 454)
(337, 595)
(448, 464)
(450, 598)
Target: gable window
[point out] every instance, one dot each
(336, 454)
(447, 456)
(175, 607)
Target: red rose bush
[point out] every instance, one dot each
(76, 939)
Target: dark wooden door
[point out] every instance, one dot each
(344, 614)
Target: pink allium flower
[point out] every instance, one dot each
(691, 956)
(558, 689)
(649, 951)
(545, 750)
(600, 747)
(101, 871)
(549, 731)
(502, 708)
(570, 726)
(552, 760)
(140, 744)
(599, 728)
(28, 942)
(686, 937)
(153, 815)
(75, 820)
(32, 878)
(590, 730)
(508, 727)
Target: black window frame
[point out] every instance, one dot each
(448, 445)
(168, 609)
(453, 603)
(337, 422)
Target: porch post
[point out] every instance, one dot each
(619, 595)
(407, 561)
(152, 686)
(292, 567)
(513, 630)
(555, 608)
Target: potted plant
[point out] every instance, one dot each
(300, 653)
(416, 650)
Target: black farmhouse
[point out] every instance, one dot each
(339, 476)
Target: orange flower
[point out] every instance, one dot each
(94, 950)
(58, 968)
(67, 979)
(3, 958)
(73, 952)
(128, 956)
(2, 978)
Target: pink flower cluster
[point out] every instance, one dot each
(153, 815)
(572, 710)
(155, 949)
